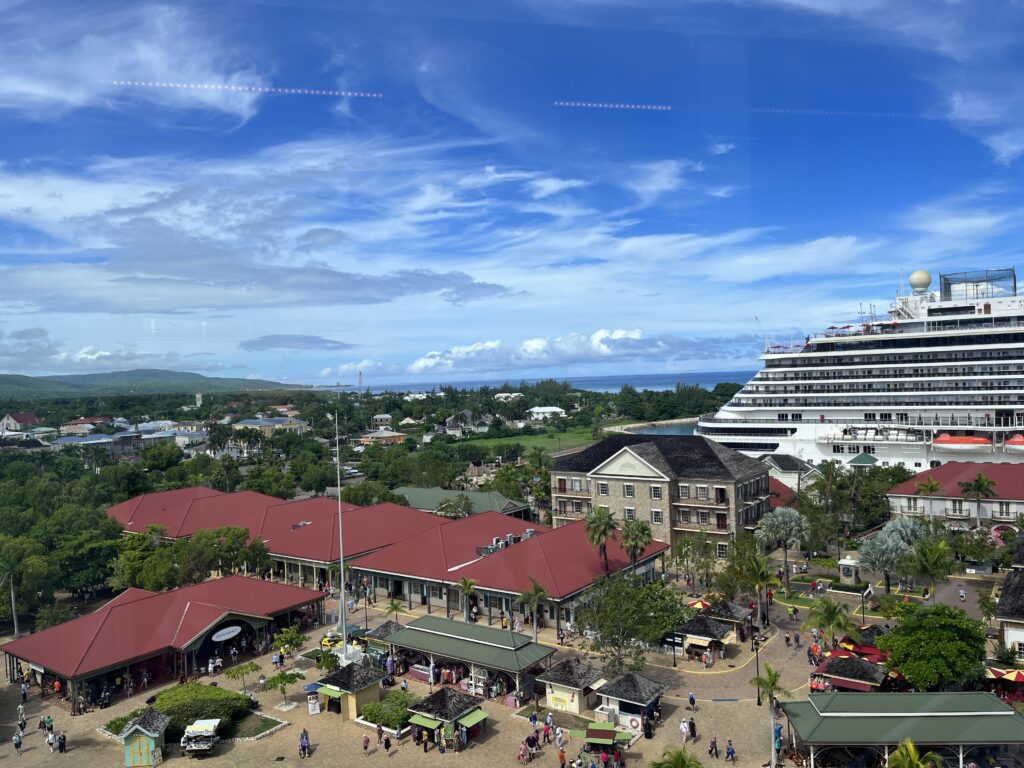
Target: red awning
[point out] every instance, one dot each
(850, 685)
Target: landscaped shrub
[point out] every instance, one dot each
(190, 702)
(857, 588)
(392, 712)
(825, 562)
(117, 725)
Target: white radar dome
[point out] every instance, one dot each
(920, 280)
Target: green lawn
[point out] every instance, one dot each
(251, 725)
(550, 441)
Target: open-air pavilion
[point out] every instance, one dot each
(852, 730)
(497, 661)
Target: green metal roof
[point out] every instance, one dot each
(487, 646)
(474, 717)
(972, 717)
(426, 722)
(863, 460)
(431, 498)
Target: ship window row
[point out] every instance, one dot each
(895, 342)
(923, 356)
(757, 432)
(818, 401)
(947, 370)
(857, 449)
(895, 386)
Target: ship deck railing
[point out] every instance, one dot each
(925, 423)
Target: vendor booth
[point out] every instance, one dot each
(450, 717)
(143, 739)
(700, 635)
(347, 690)
(569, 686)
(482, 661)
(600, 736)
(847, 673)
(737, 617)
(377, 646)
(629, 700)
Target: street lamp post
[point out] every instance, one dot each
(757, 666)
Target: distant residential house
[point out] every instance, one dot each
(276, 424)
(84, 425)
(118, 444)
(383, 437)
(24, 444)
(282, 408)
(957, 509)
(790, 470)
(429, 499)
(505, 397)
(412, 396)
(543, 412)
(381, 420)
(408, 421)
(147, 427)
(76, 430)
(19, 422)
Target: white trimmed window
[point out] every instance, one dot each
(722, 550)
(682, 515)
(703, 516)
(1004, 509)
(656, 492)
(628, 490)
(577, 507)
(630, 513)
(912, 503)
(702, 491)
(577, 484)
(684, 491)
(656, 517)
(1020, 651)
(602, 489)
(958, 506)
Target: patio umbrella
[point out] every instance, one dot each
(699, 604)
(992, 673)
(840, 653)
(1014, 676)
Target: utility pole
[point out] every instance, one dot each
(341, 538)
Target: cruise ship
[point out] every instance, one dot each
(940, 379)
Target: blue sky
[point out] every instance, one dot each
(464, 225)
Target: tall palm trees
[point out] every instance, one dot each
(467, 587)
(769, 685)
(758, 574)
(932, 560)
(532, 598)
(831, 617)
(636, 536)
(980, 487)
(929, 487)
(783, 524)
(600, 528)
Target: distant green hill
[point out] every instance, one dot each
(141, 381)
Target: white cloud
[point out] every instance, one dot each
(546, 186)
(648, 181)
(54, 62)
(723, 191)
(721, 148)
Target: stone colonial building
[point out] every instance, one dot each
(681, 484)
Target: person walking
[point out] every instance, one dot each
(713, 747)
(547, 733)
(730, 751)
(426, 740)
(21, 712)
(561, 758)
(51, 741)
(24, 691)
(387, 746)
(533, 720)
(558, 737)
(366, 744)
(684, 729)
(62, 743)
(380, 734)
(49, 724)
(693, 730)
(693, 702)
(17, 743)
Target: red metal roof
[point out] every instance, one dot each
(26, 419)
(561, 559)
(781, 494)
(440, 552)
(166, 508)
(1008, 478)
(137, 623)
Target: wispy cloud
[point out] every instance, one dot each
(293, 342)
(546, 186)
(721, 148)
(648, 181)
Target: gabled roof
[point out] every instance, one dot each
(785, 462)
(353, 678)
(854, 668)
(26, 419)
(779, 494)
(726, 610)
(1008, 479)
(862, 460)
(561, 559)
(634, 688)
(674, 455)
(704, 626)
(150, 721)
(483, 501)
(441, 552)
(137, 623)
(572, 673)
(166, 508)
(446, 704)
(489, 647)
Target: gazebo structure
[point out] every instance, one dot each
(377, 645)
(847, 673)
(446, 713)
(699, 634)
(349, 689)
(143, 739)
(629, 699)
(492, 657)
(569, 686)
(962, 727)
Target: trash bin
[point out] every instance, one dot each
(648, 730)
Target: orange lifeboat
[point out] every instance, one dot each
(962, 443)
(1015, 443)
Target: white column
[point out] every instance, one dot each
(961, 756)
(812, 756)
(886, 756)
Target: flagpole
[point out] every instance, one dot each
(341, 539)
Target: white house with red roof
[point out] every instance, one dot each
(959, 509)
(19, 422)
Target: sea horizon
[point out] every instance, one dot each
(655, 382)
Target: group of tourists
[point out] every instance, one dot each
(56, 740)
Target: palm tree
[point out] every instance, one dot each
(886, 554)
(980, 487)
(600, 528)
(783, 524)
(467, 587)
(770, 686)
(929, 488)
(18, 556)
(832, 618)
(676, 758)
(393, 606)
(532, 599)
(932, 560)
(907, 756)
(759, 576)
(636, 536)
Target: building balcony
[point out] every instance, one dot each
(957, 513)
(569, 513)
(582, 493)
(719, 502)
(701, 528)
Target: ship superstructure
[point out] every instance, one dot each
(941, 378)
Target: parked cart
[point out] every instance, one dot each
(200, 738)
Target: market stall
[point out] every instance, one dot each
(450, 717)
(569, 686)
(200, 738)
(143, 739)
(699, 636)
(629, 700)
(347, 690)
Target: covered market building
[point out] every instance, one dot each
(569, 686)
(483, 661)
(347, 690)
(700, 634)
(160, 635)
(853, 729)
